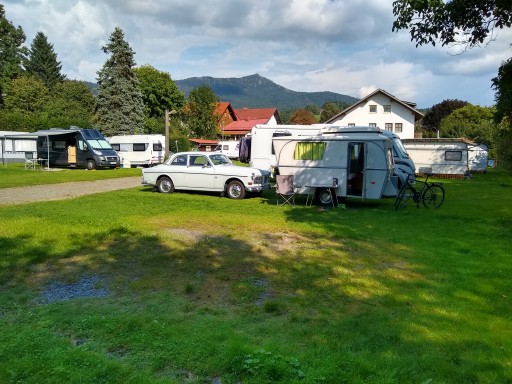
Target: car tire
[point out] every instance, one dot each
(165, 185)
(236, 190)
(91, 164)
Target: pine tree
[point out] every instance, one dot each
(11, 51)
(119, 105)
(42, 62)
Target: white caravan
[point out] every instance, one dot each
(139, 150)
(354, 164)
(263, 156)
(230, 148)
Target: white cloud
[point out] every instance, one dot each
(305, 45)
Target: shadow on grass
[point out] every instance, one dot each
(364, 305)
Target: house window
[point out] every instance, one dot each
(373, 108)
(453, 155)
(372, 124)
(398, 127)
(387, 108)
(309, 151)
(388, 127)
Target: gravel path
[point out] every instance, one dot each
(20, 195)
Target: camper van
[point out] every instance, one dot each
(355, 164)
(139, 150)
(262, 153)
(230, 148)
(75, 147)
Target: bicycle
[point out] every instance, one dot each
(430, 194)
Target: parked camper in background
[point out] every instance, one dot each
(355, 164)
(230, 148)
(478, 158)
(139, 150)
(17, 146)
(75, 147)
(445, 157)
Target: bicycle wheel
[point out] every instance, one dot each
(433, 196)
(403, 197)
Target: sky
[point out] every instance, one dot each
(343, 46)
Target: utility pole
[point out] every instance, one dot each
(167, 129)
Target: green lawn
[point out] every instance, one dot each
(204, 289)
(15, 175)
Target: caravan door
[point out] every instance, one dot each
(356, 169)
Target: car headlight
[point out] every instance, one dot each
(96, 152)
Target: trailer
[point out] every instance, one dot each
(16, 147)
(76, 148)
(447, 157)
(262, 153)
(355, 164)
(139, 150)
(230, 148)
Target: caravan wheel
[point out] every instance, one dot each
(325, 197)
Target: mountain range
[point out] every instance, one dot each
(255, 91)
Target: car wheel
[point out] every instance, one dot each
(236, 190)
(91, 164)
(165, 185)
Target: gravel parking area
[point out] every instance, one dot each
(20, 195)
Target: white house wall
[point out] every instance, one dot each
(399, 114)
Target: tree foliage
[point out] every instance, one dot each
(12, 51)
(26, 94)
(468, 22)
(303, 117)
(329, 110)
(431, 122)
(42, 62)
(503, 117)
(71, 103)
(200, 113)
(472, 122)
(119, 105)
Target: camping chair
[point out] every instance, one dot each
(30, 162)
(285, 189)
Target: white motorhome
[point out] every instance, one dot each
(230, 148)
(139, 150)
(263, 156)
(354, 164)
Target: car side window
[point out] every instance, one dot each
(198, 161)
(180, 160)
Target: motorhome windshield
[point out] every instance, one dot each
(99, 144)
(399, 147)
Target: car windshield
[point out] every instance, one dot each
(219, 159)
(99, 144)
(400, 148)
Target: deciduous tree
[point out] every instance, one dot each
(42, 62)
(431, 122)
(471, 121)
(200, 113)
(468, 22)
(119, 105)
(26, 94)
(71, 103)
(329, 110)
(303, 117)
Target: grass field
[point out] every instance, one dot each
(203, 289)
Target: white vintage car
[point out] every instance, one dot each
(204, 171)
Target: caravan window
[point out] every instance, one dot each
(309, 151)
(278, 134)
(116, 147)
(139, 147)
(157, 147)
(453, 155)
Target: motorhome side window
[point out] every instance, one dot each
(309, 151)
(278, 134)
(453, 155)
(58, 144)
(139, 147)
